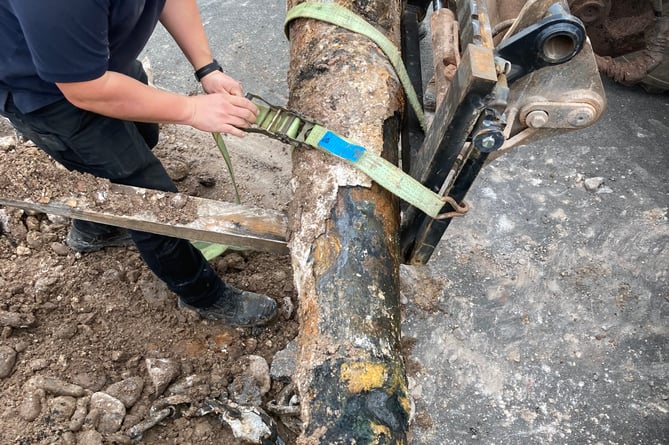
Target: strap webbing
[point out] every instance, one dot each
(287, 126)
(338, 15)
(383, 172)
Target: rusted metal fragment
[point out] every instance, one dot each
(344, 242)
(445, 50)
(172, 214)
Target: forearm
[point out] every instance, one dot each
(122, 97)
(182, 20)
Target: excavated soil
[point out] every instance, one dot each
(98, 319)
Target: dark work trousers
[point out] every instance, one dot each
(121, 152)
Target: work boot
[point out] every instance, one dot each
(84, 243)
(238, 308)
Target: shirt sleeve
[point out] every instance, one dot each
(68, 39)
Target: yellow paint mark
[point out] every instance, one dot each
(363, 376)
(406, 404)
(381, 430)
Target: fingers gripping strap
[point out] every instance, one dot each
(345, 18)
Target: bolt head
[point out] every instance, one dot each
(488, 142)
(536, 119)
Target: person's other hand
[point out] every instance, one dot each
(223, 113)
(219, 82)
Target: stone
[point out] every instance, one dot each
(592, 184)
(7, 361)
(128, 391)
(89, 437)
(162, 372)
(245, 391)
(38, 364)
(79, 415)
(249, 387)
(65, 331)
(60, 249)
(31, 405)
(61, 408)
(93, 381)
(111, 411)
(8, 143)
(284, 363)
(56, 387)
(258, 368)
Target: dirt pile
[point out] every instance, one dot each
(93, 348)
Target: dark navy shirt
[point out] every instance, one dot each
(48, 41)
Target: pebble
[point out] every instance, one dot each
(288, 308)
(92, 418)
(90, 437)
(244, 390)
(111, 411)
(232, 261)
(34, 239)
(56, 387)
(206, 181)
(31, 406)
(79, 415)
(65, 332)
(258, 368)
(60, 249)
(8, 142)
(118, 439)
(23, 251)
(58, 219)
(68, 438)
(179, 201)
(592, 184)
(17, 320)
(162, 372)
(61, 408)
(177, 169)
(7, 361)
(514, 355)
(93, 381)
(45, 283)
(21, 345)
(253, 383)
(250, 345)
(38, 364)
(284, 363)
(128, 391)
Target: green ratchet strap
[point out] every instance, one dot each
(289, 127)
(345, 18)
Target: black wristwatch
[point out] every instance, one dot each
(208, 68)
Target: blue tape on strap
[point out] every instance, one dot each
(339, 147)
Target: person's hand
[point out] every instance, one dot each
(222, 113)
(219, 82)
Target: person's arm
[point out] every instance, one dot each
(119, 96)
(182, 20)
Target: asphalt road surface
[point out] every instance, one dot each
(550, 317)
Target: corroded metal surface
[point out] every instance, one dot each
(344, 246)
(445, 50)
